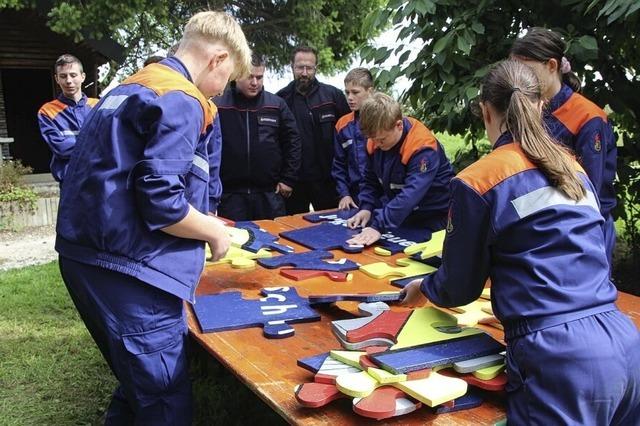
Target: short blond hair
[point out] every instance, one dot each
(213, 26)
(380, 112)
(360, 77)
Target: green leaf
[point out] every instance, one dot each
(463, 44)
(442, 42)
(588, 42)
(471, 92)
(477, 27)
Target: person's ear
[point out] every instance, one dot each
(218, 58)
(399, 125)
(486, 114)
(83, 75)
(552, 66)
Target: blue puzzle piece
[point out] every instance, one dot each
(313, 363)
(309, 260)
(279, 307)
(259, 239)
(325, 236)
(363, 298)
(330, 215)
(438, 353)
(465, 402)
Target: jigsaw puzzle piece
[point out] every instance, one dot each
(430, 248)
(474, 313)
(365, 344)
(258, 238)
(316, 395)
(475, 364)
(403, 282)
(229, 311)
(438, 353)
(496, 384)
(325, 236)
(239, 258)
(386, 296)
(369, 312)
(304, 274)
(406, 268)
(385, 402)
(489, 373)
(313, 260)
(434, 390)
(466, 402)
(326, 368)
(387, 325)
(330, 215)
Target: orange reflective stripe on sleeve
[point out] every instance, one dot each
(577, 111)
(51, 109)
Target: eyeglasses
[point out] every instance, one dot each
(308, 68)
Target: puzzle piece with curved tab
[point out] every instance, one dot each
(406, 268)
(428, 249)
(239, 258)
(279, 307)
(312, 260)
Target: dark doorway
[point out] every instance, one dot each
(25, 91)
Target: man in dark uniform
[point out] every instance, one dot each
(260, 149)
(316, 107)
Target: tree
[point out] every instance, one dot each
(462, 39)
(273, 27)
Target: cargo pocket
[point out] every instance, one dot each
(156, 359)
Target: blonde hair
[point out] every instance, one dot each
(212, 27)
(512, 88)
(360, 77)
(379, 112)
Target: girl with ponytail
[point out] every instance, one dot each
(527, 216)
(572, 119)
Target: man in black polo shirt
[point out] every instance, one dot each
(260, 149)
(316, 107)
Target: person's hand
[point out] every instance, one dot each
(220, 240)
(359, 219)
(284, 190)
(367, 237)
(346, 203)
(413, 296)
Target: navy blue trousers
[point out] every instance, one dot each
(142, 334)
(584, 372)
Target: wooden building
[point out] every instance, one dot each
(28, 51)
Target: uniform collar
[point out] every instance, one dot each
(504, 139)
(177, 65)
(560, 98)
(241, 98)
(68, 101)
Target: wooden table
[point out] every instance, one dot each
(268, 367)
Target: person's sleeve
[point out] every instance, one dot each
(215, 157)
(171, 125)
(291, 146)
(592, 143)
(421, 171)
(61, 142)
(466, 252)
(370, 189)
(339, 167)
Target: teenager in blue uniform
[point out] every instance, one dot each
(527, 216)
(133, 218)
(350, 145)
(61, 119)
(316, 107)
(260, 147)
(407, 174)
(572, 119)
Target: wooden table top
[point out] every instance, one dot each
(268, 366)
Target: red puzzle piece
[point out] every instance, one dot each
(386, 326)
(316, 395)
(382, 403)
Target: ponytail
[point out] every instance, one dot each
(513, 90)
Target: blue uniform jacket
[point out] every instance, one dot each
(144, 156)
(582, 126)
(60, 121)
(544, 252)
(350, 156)
(316, 114)
(215, 160)
(413, 176)
(260, 142)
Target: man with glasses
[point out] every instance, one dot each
(316, 107)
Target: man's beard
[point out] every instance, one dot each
(303, 84)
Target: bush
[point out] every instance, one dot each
(15, 196)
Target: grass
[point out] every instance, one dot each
(51, 372)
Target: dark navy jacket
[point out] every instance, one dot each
(60, 121)
(413, 176)
(141, 159)
(350, 156)
(583, 127)
(544, 252)
(260, 142)
(316, 114)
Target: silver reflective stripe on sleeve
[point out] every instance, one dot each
(201, 163)
(549, 196)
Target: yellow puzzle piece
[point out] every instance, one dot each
(240, 258)
(474, 313)
(406, 268)
(430, 248)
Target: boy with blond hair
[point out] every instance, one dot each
(350, 145)
(133, 217)
(407, 172)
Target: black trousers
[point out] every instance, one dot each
(239, 206)
(321, 195)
